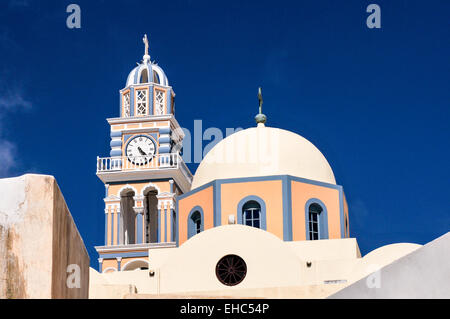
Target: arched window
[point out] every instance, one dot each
(155, 77)
(195, 222)
(316, 220)
(251, 214)
(144, 76)
(151, 216)
(251, 211)
(128, 218)
(314, 212)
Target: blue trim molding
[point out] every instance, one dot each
(177, 239)
(115, 143)
(164, 130)
(115, 153)
(261, 203)
(217, 204)
(116, 134)
(287, 208)
(192, 231)
(341, 212)
(323, 218)
(164, 149)
(125, 255)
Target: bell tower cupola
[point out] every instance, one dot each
(147, 90)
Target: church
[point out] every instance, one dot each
(263, 215)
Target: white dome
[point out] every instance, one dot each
(263, 151)
(147, 72)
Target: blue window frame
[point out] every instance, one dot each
(314, 212)
(195, 221)
(252, 214)
(251, 211)
(316, 220)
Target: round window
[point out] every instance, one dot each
(231, 270)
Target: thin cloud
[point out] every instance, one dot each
(7, 155)
(11, 100)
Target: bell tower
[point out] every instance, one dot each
(144, 173)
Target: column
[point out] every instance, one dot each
(159, 220)
(165, 221)
(173, 224)
(119, 237)
(111, 212)
(139, 210)
(119, 261)
(100, 265)
(106, 226)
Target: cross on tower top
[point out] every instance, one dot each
(260, 118)
(145, 40)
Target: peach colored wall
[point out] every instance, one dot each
(301, 193)
(164, 186)
(204, 199)
(269, 191)
(107, 263)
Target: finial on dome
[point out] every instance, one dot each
(260, 118)
(146, 56)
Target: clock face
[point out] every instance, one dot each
(140, 150)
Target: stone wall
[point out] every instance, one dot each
(38, 241)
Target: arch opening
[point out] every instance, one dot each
(195, 222)
(144, 76)
(138, 264)
(151, 216)
(127, 218)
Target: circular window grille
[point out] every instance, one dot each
(231, 270)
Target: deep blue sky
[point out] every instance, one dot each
(374, 101)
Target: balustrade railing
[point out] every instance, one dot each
(123, 163)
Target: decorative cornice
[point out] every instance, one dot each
(123, 120)
(132, 247)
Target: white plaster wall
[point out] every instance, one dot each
(422, 273)
(192, 267)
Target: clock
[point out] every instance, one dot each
(140, 150)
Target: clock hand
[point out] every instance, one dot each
(141, 151)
